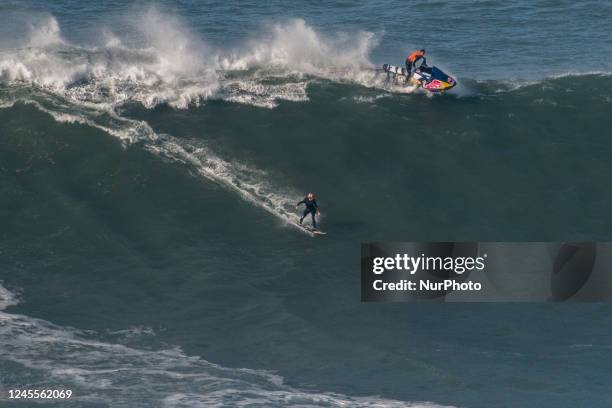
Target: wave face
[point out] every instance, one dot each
(166, 64)
(151, 159)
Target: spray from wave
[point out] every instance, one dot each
(163, 62)
(51, 356)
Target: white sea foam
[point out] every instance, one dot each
(256, 93)
(369, 99)
(245, 181)
(131, 332)
(161, 61)
(7, 298)
(298, 47)
(164, 62)
(122, 376)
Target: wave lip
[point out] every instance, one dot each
(168, 64)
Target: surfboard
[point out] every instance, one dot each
(394, 70)
(311, 230)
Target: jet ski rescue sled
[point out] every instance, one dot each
(432, 79)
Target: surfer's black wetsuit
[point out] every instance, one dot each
(311, 208)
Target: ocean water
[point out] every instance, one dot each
(151, 155)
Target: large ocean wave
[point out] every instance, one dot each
(166, 63)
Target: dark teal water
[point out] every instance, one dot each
(151, 156)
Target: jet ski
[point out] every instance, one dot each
(432, 79)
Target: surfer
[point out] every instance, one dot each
(312, 208)
(412, 60)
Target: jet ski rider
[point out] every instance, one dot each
(312, 208)
(413, 59)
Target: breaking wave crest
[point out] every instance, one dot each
(123, 376)
(163, 62)
(159, 60)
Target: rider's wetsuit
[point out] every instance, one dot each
(311, 208)
(412, 60)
